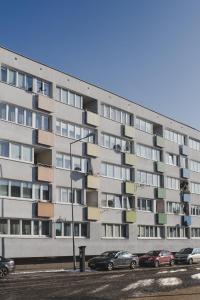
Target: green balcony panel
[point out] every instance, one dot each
(129, 159)
(130, 216)
(160, 167)
(161, 218)
(161, 193)
(130, 187)
(159, 141)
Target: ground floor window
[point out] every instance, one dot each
(195, 232)
(115, 230)
(64, 229)
(146, 231)
(177, 232)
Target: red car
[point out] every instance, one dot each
(156, 258)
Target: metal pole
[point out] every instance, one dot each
(72, 200)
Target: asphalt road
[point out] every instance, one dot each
(119, 284)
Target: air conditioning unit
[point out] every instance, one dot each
(128, 146)
(117, 148)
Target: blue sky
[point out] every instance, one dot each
(145, 50)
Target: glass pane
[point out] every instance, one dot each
(78, 101)
(58, 127)
(15, 151)
(45, 123)
(28, 118)
(46, 89)
(14, 227)
(64, 195)
(37, 191)
(3, 74)
(26, 227)
(39, 86)
(78, 196)
(45, 228)
(4, 148)
(15, 189)
(117, 230)
(59, 160)
(12, 77)
(84, 229)
(67, 229)
(20, 117)
(27, 153)
(29, 83)
(64, 96)
(3, 111)
(76, 163)
(38, 121)
(27, 190)
(71, 99)
(11, 113)
(3, 187)
(21, 80)
(3, 226)
(66, 162)
(36, 227)
(71, 129)
(58, 229)
(76, 229)
(45, 192)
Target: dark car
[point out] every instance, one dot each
(8, 263)
(156, 258)
(110, 260)
(3, 270)
(188, 255)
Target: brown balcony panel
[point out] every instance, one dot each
(45, 103)
(93, 182)
(45, 138)
(45, 210)
(44, 174)
(93, 213)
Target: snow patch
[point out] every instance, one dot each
(172, 271)
(140, 283)
(196, 276)
(169, 281)
(103, 287)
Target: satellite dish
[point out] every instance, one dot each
(117, 148)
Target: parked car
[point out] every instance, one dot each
(110, 260)
(188, 255)
(8, 263)
(3, 270)
(156, 258)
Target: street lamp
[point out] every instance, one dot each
(72, 196)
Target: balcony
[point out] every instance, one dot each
(93, 182)
(159, 141)
(161, 218)
(187, 220)
(184, 150)
(130, 187)
(160, 167)
(186, 197)
(44, 173)
(45, 103)
(129, 159)
(45, 210)
(92, 150)
(130, 216)
(160, 193)
(93, 213)
(185, 173)
(128, 131)
(45, 138)
(92, 119)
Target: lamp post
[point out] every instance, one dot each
(72, 197)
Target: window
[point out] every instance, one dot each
(12, 77)
(58, 229)
(195, 210)
(148, 152)
(144, 125)
(3, 226)
(15, 151)
(175, 137)
(115, 143)
(183, 162)
(26, 227)
(194, 144)
(64, 195)
(146, 231)
(4, 148)
(145, 204)
(69, 98)
(67, 229)
(45, 228)
(174, 208)
(195, 232)
(115, 231)
(80, 229)
(36, 228)
(15, 189)
(116, 201)
(116, 172)
(147, 178)
(78, 163)
(26, 190)
(27, 153)
(24, 117)
(195, 188)
(115, 114)
(172, 183)
(176, 232)
(3, 187)
(43, 87)
(195, 166)
(73, 131)
(3, 74)
(171, 159)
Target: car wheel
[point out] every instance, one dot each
(172, 262)
(132, 265)
(3, 272)
(110, 267)
(190, 261)
(156, 264)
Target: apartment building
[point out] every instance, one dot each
(136, 180)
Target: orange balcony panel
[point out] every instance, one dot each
(45, 138)
(44, 174)
(45, 210)
(45, 103)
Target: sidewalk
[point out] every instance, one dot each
(44, 267)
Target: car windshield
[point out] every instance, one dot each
(186, 250)
(153, 253)
(109, 254)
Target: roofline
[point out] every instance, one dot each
(96, 86)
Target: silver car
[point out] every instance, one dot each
(188, 255)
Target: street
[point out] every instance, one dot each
(118, 284)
